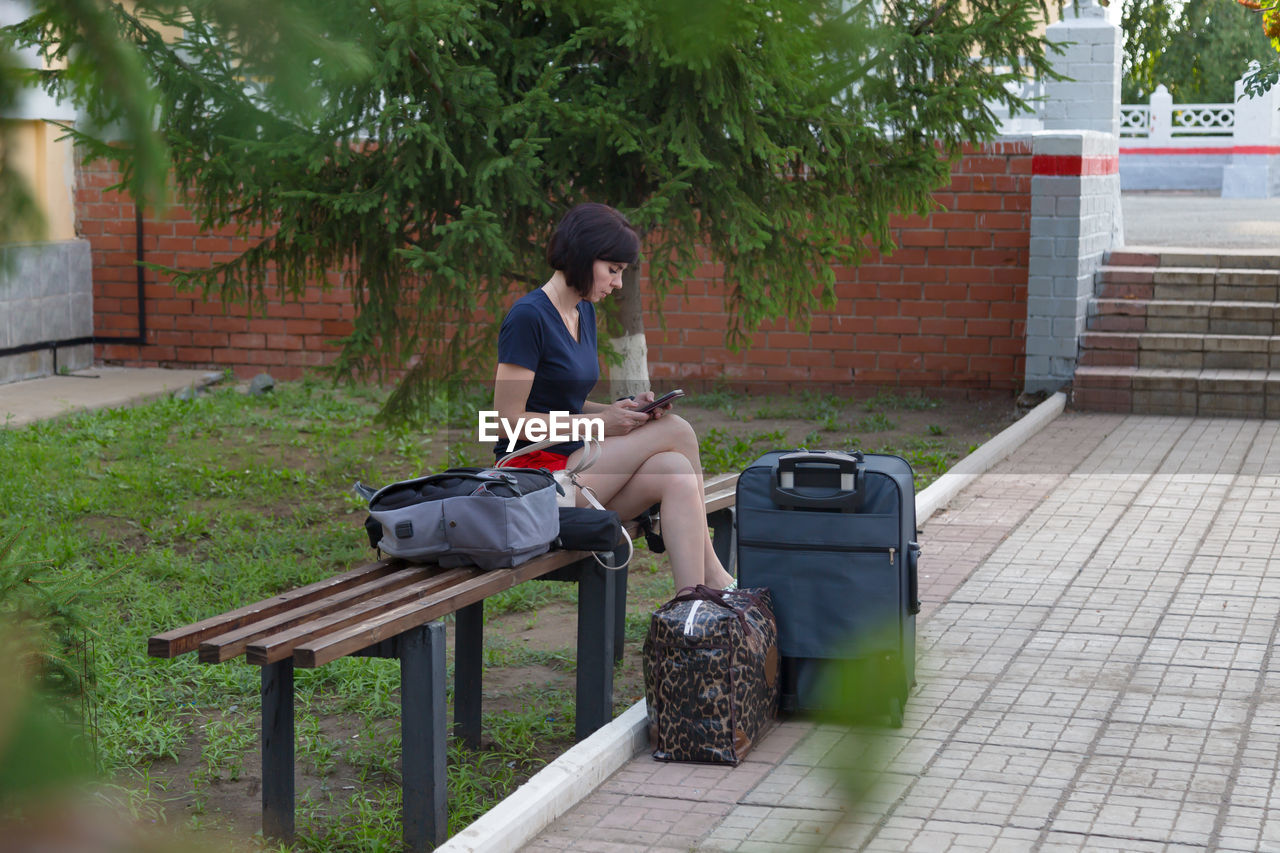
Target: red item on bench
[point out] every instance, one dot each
(540, 459)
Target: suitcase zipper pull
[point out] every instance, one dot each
(688, 620)
(892, 551)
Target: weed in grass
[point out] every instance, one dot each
(529, 596)
(197, 806)
(500, 652)
(367, 687)
(885, 399)
(314, 746)
(373, 752)
(225, 742)
(723, 452)
(637, 627)
(723, 400)
(821, 406)
(139, 798)
(549, 716)
(459, 456)
(851, 444)
(779, 409)
(368, 821)
(807, 406)
(929, 457)
(935, 429)
(875, 422)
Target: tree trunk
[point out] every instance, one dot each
(632, 376)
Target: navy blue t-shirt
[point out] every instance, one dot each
(564, 370)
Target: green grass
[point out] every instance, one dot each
(929, 457)
(121, 524)
(129, 522)
(875, 422)
(885, 399)
(722, 452)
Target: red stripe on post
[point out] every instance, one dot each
(1072, 165)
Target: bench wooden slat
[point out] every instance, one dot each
(717, 501)
(720, 482)
(232, 644)
(187, 639)
(281, 645)
(330, 647)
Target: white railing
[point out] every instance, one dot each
(1229, 148)
(1135, 120)
(1204, 119)
(1161, 119)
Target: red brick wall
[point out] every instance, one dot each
(948, 308)
(184, 330)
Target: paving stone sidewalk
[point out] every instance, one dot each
(1103, 680)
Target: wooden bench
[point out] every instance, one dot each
(391, 608)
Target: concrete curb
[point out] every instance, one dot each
(563, 783)
(940, 492)
(556, 788)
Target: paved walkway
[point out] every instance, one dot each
(1103, 680)
(99, 387)
(1201, 221)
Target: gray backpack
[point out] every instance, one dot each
(491, 518)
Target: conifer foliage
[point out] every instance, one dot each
(427, 147)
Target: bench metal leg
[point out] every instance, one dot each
(422, 736)
(724, 538)
(468, 668)
(277, 750)
(597, 611)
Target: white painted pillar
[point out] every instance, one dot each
(1090, 98)
(1161, 115)
(1075, 186)
(1254, 171)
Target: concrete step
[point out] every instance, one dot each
(1176, 316)
(1188, 283)
(1218, 258)
(1172, 391)
(1192, 352)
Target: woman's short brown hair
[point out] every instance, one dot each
(591, 232)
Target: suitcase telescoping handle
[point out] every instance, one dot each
(842, 472)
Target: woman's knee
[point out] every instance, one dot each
(679, 433)
(671, 474)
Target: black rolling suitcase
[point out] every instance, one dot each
(833, 536)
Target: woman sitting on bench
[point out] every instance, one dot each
(547, 362)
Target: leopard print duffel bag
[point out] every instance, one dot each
(711, 674)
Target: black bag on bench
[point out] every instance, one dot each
(488, 517)
(589, 529)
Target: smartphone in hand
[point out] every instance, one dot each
(660, 401)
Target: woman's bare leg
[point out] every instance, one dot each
(653, 465)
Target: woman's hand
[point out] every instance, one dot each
(621, 417)
(644, 398)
